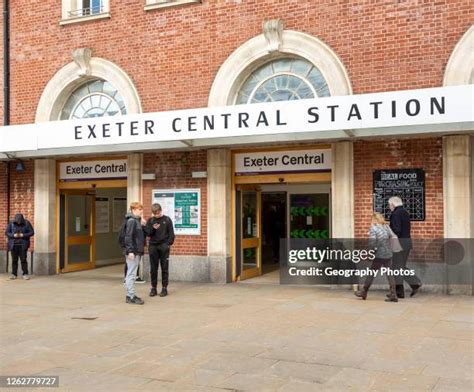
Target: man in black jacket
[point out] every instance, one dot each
(160, 230)
(401, 226)
(19, 232)
(133, 248)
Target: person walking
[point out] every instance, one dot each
(379, 240)
(160, 230)
(401, 226)
(133, 247)
(19, 231)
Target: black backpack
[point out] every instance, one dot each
(122, 232)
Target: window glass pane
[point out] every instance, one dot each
(96, 86)
(282, 65)
(303, 81)
(249, 214)
(264, 72)
(300, 67)
(97, 98)
(249, 259)
(78, 253)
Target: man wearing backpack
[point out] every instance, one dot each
(160, 230)
(132, 240)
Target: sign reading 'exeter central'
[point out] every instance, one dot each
(437, 109)
(275, 162)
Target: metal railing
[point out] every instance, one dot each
(93, 10)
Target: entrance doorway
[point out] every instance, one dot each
(268, 214)
(88, 222)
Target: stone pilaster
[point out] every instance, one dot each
(134, 179)
(45, 217)
(219, 214)
(342, 190)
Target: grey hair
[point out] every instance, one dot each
(395, 201)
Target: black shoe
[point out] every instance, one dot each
(164, 292)
(361, 294)
(398, 296)
(135, 301)
(139, 280)
(391, 299)
(153, 292)
(414, 289)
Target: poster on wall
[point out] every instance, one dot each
(183, 206)
(408, 184)
(102, 215)
(119, 212)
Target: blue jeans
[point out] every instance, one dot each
(132, 267)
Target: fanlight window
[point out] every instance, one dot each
(283, 80)
(97, 98)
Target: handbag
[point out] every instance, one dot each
(394, 241)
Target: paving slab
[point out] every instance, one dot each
(239, 337)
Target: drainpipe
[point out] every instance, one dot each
(6, 93)
(6, 62)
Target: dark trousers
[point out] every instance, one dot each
(400, 263)
(19, 253)
(159, 255)
(376, 265)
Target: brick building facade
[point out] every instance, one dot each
(175, 57)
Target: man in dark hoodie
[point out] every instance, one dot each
(133, 248)
(19, 232)
(160, 230)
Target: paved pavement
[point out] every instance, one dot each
(257, 337)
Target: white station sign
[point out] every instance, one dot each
(441, 109)
(275, 162)
(93, 170)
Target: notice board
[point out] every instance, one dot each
(183, 206)
(408, 184)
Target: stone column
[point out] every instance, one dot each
(45, 217)
(342, 190)
(457, 186)
(134, 179)
(219, 215)
(135, 193)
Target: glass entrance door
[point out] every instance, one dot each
(248, 232)
(77, 230)
(309, 216)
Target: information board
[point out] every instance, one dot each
(102, 215)
(119, 211)
(408, 184)
(183, 206)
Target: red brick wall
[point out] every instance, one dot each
(22, 192)
(404, 153)
(174, 170)
(172, 55)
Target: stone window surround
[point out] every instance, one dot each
(69, 5)
(73, 75)
(257, 51)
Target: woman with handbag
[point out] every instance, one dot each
(381, 240)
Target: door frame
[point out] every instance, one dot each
(255, 242)
(284, 178)
(80, 186)
(79, 241)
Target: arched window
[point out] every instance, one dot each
(96, 98)
(283, 80)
